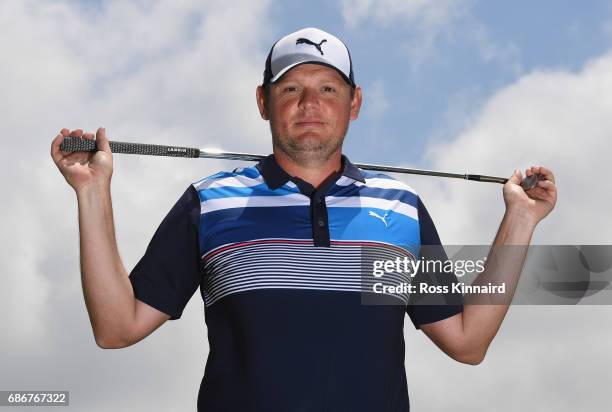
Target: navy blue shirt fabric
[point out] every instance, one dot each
(168, 274)
(288, 349)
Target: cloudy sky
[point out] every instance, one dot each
(456, 85)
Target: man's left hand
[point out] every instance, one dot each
(538, 201)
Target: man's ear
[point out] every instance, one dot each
(356, 103)
(261, 103)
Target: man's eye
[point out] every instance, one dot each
(329, 89)
(290, 89)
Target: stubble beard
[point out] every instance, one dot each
(308, 153)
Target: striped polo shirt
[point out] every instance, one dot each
(281, 267)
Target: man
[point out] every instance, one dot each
(276, 250)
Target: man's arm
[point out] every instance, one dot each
(117, 318)
(466, 336)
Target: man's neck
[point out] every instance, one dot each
(317, 174)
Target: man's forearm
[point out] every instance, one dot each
(107, 290)
(467, 336)
(483, 314)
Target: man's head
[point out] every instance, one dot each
(309, 95)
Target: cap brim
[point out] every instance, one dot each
(311, 60)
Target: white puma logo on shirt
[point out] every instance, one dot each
(376, 215)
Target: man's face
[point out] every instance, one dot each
(309, 110)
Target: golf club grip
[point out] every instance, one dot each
(77, 144)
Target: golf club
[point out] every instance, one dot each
(77, 144)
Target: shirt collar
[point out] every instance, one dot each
(275, 176)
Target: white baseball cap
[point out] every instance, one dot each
(309, 45)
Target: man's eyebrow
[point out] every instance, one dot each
(333, 79)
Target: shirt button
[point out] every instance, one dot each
(321, 223)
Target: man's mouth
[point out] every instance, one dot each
(307, 123)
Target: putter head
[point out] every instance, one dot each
(531, 181)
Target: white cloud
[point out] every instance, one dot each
(543, 358)
(562, 120)
(150, 71)
(555, 118)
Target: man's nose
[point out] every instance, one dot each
(309, 98)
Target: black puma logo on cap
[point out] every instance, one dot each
(317, 45)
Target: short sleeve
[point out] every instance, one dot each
(168, 274)
(431, 308)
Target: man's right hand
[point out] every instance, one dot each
(81, 169)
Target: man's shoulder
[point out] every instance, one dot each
(239, 177)
(384, 181)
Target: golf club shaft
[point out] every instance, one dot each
(76, 144)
